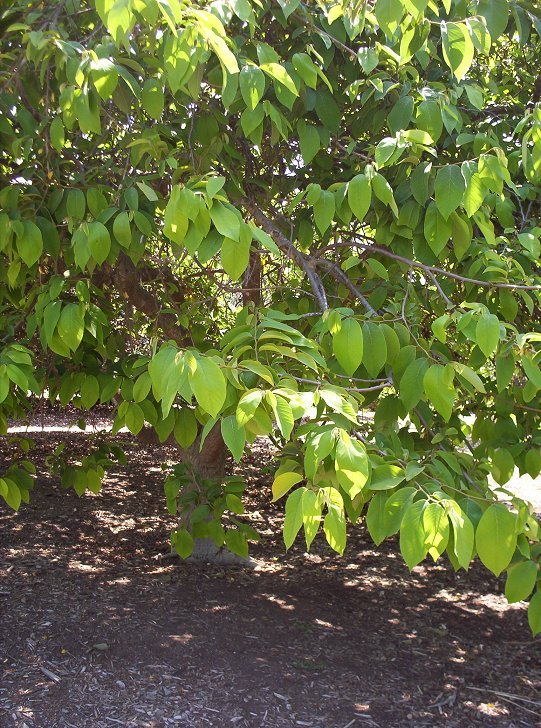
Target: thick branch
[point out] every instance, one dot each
(341, 277)
(287, 247)
(125, 277)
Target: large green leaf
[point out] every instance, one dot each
(412, 534)
(438, 386)
(208, 385)
(71, 325)
(521, 578)
(359, 196)
(496, 538)
(30, 243)
(449, 189)
(352, 465)
(294, 516)
(487, 333)
(347, 345)
(374, 348)
(458, 49)
(234, 436)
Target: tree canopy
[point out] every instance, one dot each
(315, 221)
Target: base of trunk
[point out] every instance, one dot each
(206, 552)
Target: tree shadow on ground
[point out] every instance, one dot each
(132, 638)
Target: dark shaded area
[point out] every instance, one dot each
(131, 638)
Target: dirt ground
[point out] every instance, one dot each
(98, 629)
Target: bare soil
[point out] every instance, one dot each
(99, 628)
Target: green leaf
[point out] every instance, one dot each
(234, 503)
(135, 418)
(247, 406)
(352, 464)
(99, 241)
(4, 386)
(90, 391)
(225, 220)
(401, 114)
(386, 477)
(282, 413)
(347, 345)
(458, 49)
(412, 534)
(152, 98)
(503, 465)
(236, 542)
(105, 77)
(294, 516)
(487, 333)
(334, 523)
(312, 507)
(496, 14)
(467, 373)
(208, 385)
(462, 235)
(183, 542)
(383, 191)
(324, 209)
(449, 189)
(76, 204)
(235, 256)
(389, 14)
(437, 229)
(374, 348)
(436, 528)
(71, 325)
(176, 222)
(279, 73)
(463, 535)
(10, 493)
(30, 243)
(532, 463)
(375, 514)
(396, 505)
(309, 141)
(496, 538)
(283, 483)
(359, 196)
(438, 386)
(122, 229)
(141, 388)
(185, 429)
(56, 134)
(411, 384)
(534, 613)
(306, 69)
(429, 119)
(252, 85)
(234, 436)
(505, 368)
(520, 581)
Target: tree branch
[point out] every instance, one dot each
(431, 269)
(287, 247)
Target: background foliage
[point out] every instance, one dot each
(314, 221)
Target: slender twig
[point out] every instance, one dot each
(431, 269)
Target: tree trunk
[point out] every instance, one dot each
(207, 463)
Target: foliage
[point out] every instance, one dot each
(315, 221)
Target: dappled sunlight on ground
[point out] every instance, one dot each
(132, 637)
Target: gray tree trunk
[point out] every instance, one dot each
(208, 463)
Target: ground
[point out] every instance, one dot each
(99, 628)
